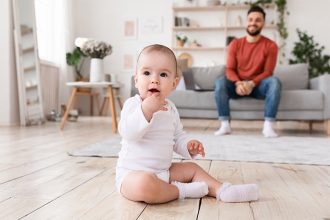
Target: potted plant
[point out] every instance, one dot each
(306, 50)
(76, 59)
(181, 40)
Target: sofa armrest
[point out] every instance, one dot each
(322, 83)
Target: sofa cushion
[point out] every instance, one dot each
(193, 99)
(293, 76)
(290, 100)
(205, 77)
(189, 79)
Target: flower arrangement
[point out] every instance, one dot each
(93, 48)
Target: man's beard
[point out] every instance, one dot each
(254, 33)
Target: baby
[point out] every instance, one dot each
(151, 130)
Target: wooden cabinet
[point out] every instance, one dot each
(209, 28)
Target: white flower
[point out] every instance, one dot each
(95, 49)
(80, 41)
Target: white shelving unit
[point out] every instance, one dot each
(210, 26)
(27, 63)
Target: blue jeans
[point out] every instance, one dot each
(269, 89)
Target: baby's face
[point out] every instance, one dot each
(156, 74)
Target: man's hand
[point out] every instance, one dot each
(195, 147)
(153, 104)
(244, 88)
(249, 85)
(240, 88)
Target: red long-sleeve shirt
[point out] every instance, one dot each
(251, 61)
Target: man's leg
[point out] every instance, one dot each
(224, 90)
(270, 90)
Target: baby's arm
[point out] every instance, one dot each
(132, 124)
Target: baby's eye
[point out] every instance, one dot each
(163, 74)
(147, 73)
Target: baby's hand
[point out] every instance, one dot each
(195, 147)
(153, 104)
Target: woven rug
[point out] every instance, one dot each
(292, 150)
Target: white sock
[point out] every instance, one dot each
(191, 190)
(268, 130)
(224, 129)
(238, 193)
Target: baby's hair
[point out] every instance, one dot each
(163, 49)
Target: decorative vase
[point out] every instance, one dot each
(96, 71)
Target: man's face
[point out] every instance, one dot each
(255, 23)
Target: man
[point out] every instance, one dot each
(250, 64)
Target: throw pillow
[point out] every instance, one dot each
(189, 79)
(181, 85)
(293, 76)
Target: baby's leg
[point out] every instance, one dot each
(191, 172)
(147, 187)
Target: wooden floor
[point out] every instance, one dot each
(38, 180)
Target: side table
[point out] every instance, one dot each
(77, 85)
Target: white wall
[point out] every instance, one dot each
(8, 83)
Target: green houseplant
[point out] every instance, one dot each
(181, 40)
(306, 50)
(76, 59)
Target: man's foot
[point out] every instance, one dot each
(268, 130)
(224, 129)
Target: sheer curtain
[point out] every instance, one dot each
(55, 37)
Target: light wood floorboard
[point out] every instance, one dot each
(38, 180)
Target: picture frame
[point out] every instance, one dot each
(128, 61)
(150, 25)
(130, 28)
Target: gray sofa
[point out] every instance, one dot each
(301, 98)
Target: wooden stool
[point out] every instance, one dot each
(104, 106)
(92, 95)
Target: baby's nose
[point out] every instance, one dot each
(155, 81)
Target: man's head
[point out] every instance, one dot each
(255, 20)
(156, 71)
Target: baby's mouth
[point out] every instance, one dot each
(153, 90)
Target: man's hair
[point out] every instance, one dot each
(257, 8)
(163, 49)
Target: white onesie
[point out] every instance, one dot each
(149, 146)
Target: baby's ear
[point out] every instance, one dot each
(176, 82)
(135, 80)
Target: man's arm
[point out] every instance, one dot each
(269, 64)
(231, 66)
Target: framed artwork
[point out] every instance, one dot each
(128, 61)
(150, 25)
(130, 28)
